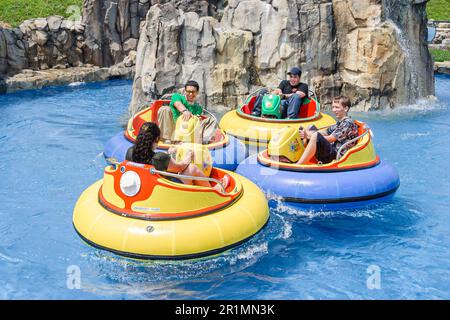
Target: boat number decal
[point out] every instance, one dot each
(147, 209)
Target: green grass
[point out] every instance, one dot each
(440, 55)
(15, 12)
(437, 9)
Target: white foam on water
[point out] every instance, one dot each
(408, 135)
(286, 230)
(9, 259)
(423, 107)
(127, 271)
(76, 84)
(284, 209)
(251, 252)
(98, 163)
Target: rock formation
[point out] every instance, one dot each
(40, 44)
(374, 51)
(52, 51)
(113, 26)
(12, 51)
(364, 49)
(441, 39)
(384, 59)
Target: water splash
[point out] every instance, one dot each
(138, 277)
(283, 209)
(412, 83)
(98, 163)
(423, 107)
(8, 259)
(409, 135)
(393, 19)
(76, 84)
(135, 277)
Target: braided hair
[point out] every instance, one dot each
(143, 150)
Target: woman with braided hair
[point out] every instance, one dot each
(143, 152)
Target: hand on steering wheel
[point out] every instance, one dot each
(186, 115)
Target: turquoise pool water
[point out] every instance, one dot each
(51, 142)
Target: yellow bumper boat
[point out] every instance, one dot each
(137, 212)
(227, 151)
(257, 131)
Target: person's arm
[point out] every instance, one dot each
(172, 150)
(306, 134)
(185, 112)
(340, 132)
(330, 138)
(198, 110)
(179, 166)
(302, 90)
(279, 90)
(324, 132)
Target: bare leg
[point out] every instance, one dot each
(166, 123)
(310, 149)
(193, 170)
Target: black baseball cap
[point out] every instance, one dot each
(295, 71)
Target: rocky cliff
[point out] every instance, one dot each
(41, 44)
(372, 50)
(41, 50)
(113, 26)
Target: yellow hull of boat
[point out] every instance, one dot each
(171, 239)
(259, 133)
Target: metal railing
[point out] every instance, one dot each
(112, 161)
(325, 127)
(183, 176)
(339, 156)
(168, 96)
(313, 93)
(257, 92)
(115, 162)
(213, 116)
(269, 89)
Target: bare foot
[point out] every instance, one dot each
(225, 182)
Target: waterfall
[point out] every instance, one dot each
(404, 17)
(411, 58)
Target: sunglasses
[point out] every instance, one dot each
(191, 92)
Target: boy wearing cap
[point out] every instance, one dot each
(292, 93)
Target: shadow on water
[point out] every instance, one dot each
(394, 217)
(162, 279)
(308, 235)
(58, 90)
(298, 255)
